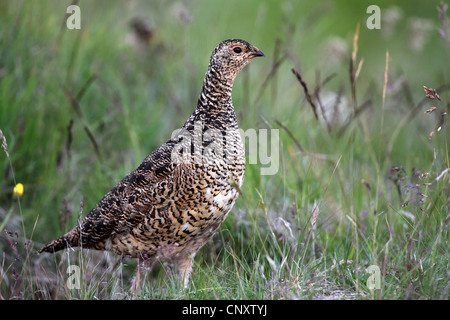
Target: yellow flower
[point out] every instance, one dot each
(18, 190)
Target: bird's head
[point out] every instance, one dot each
(231, 56)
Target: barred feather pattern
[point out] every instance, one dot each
(177, 198)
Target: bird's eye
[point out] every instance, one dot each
(237, 49)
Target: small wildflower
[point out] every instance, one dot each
(14, 274)
(18, 190)
(423, 175)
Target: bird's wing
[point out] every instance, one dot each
(126, 204)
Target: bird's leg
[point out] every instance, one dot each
(136, 282)
(143, 267)
(184, 267)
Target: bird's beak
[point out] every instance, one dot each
(258, 54)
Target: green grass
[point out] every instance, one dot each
(131, 99)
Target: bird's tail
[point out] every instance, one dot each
(70, 239)
(55, 245)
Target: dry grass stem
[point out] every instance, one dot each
(75, 105)
(305, 88)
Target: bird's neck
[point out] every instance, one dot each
(215, 105)
(217, 89)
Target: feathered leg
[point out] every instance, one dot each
(184, 267)
(143, 267)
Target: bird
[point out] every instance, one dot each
(177, 198)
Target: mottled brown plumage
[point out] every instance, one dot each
(180, 194)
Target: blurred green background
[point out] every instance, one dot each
(132, 91)
(146, 94)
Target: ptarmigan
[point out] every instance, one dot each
(177, 198)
